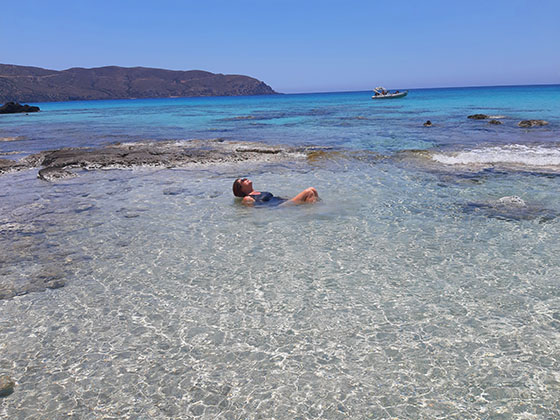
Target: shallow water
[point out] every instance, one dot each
(409, 291)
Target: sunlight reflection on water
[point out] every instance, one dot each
(384, 300)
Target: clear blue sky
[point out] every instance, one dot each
(296, 46)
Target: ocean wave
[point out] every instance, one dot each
(514, 154)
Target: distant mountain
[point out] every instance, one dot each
(34, 84)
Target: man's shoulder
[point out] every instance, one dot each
(248, 200)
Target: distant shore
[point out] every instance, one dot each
(35, 84)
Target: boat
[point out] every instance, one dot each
(382, 93)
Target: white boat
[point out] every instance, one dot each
(382, 93)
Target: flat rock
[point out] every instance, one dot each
(478, 117)
(58, 164)
(532, 123)
(14, 108)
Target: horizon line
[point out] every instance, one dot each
(280, 92)
(422, 88)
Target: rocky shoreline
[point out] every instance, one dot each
(65, 163)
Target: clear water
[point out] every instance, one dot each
(415, 289)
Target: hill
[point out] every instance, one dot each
(34, 84)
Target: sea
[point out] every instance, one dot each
(424, 285)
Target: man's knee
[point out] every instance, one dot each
(311, 194)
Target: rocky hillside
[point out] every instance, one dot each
(34, 84)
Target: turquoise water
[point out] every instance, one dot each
(348, 120)
(424, 284)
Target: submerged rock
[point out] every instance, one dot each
(478, 117)
(174, 191)
(511, 208)
(496, 122)
(48, 278)
(532, 123)
(14, 108)
(51, 278)
(6, 386)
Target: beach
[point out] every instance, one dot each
(423, 285)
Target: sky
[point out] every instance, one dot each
(297, 46)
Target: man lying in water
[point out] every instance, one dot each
(243, 187)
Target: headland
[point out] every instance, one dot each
(35, 84)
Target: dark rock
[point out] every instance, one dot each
(428, 123)
(7, 165)
(14, 108)
(34, 84)
(496, 122)
(6, 386)
(478, 117)
(532, 123)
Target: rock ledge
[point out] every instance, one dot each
(63, 163)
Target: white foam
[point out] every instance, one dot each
(11, 138)
(512, 200)
(511, 154)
